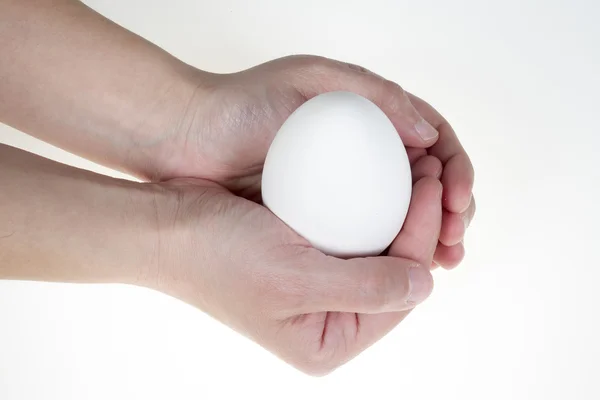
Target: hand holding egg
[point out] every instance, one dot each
(262, 269)
(233, 119)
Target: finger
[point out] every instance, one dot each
(414, 154)
(427, 166)
(448, 257)
(419, 235)
(458, 174)
(457, 179)
(331, 75)
(454, 226)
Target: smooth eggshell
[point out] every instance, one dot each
(338, 174)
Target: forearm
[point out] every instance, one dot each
(73, 78)
(59, 223)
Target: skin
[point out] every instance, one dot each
(197, 140)
(196, 241)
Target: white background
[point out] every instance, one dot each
(519, 80)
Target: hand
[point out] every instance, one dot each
(232, 119)
(226, 255)
(236, 261)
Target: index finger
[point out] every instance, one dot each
(458, 176)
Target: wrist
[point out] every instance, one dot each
(131, 218)
(164, 128)
(186, 239)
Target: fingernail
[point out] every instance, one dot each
(421, 284)
(425, 130)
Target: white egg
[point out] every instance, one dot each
(337, 173)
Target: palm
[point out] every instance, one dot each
(244, 123)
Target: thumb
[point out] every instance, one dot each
(367, 285)
(331, 75)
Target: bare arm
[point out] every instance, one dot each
(59, 223)
(73, 78)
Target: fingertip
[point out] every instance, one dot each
(415, 154)
(430, 186)
(427, 193)
(427, 166)
(453, 228)
(426, 131)
(420, 285)
(458, 179)
(437, 186)
(449, 257)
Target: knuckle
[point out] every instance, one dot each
(358, 68)
(435, 161)
(375, 290)
(281, 294)
(283, 289)
(393, 95)
(312, 63)
(393, 87)
(327, 68)
(295, 294)
(332, 67)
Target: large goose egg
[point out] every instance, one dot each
(337, 173)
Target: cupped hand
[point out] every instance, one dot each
(232, 119)
(235, 260)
